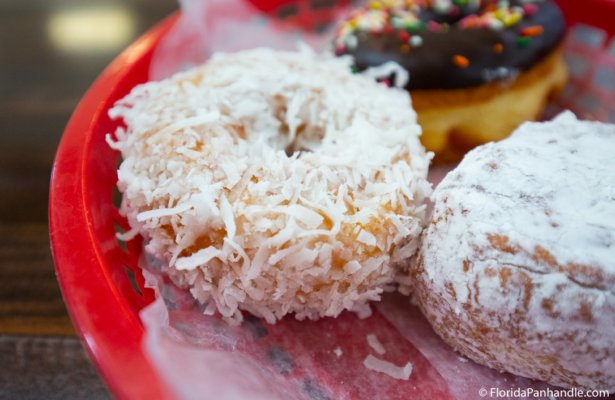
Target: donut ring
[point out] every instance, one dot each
(452, 44)
(273, 182)
(466, 59)
(517, 267)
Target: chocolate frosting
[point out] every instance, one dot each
(431, 64)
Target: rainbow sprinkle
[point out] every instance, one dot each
(461, 61)
(532, 31)
(524, 41)
(401, 17)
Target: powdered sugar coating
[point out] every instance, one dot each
(517, 268)
(213, 178)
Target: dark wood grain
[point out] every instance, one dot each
(40, 85)
(30, 300)
(47, 368)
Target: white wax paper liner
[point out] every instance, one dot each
(201, 357)
(209, 26)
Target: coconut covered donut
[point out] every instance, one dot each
(273, 182)
(517, 267)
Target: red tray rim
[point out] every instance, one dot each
(113, 337)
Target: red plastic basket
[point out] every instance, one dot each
(98, 275)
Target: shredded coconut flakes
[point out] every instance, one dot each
(390, 369)
(274, 182)
(375, 344)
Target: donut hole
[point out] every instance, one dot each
(297, 132)
(305, 139)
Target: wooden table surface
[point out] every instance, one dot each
(50, 52)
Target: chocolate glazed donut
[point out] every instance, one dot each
(463, 53)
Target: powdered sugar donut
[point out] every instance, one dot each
(517, 268)
(274, 182)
